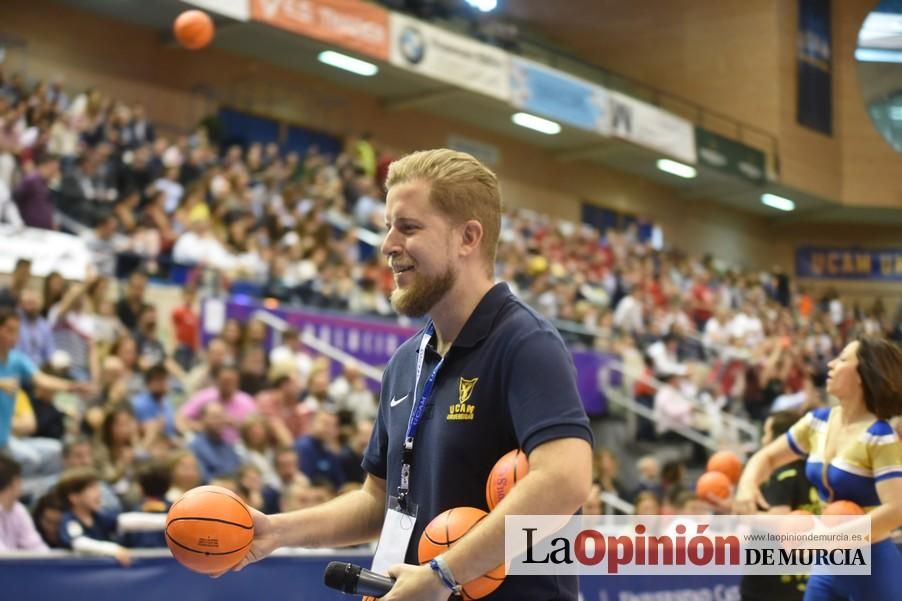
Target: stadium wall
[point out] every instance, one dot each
(738, 57)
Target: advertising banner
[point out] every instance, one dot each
(814, 97)
(651, 127)
(449, 57)
(556, 95)
(729, 156)
(849, 263)
(350, 24)
(236, 9)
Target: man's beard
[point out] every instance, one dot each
(423, 293)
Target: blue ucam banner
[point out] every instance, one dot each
(820, 262)
(279, 579)
(553, 94)
(814, 66)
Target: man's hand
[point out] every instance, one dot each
(416, 583)
(266, 541)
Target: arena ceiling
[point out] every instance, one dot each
(399, 90)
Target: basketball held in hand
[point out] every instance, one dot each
(443, 532)
(727, 463)
(508, 470)
(209, 529)
(714, 487)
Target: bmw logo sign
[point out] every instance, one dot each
(413, 46)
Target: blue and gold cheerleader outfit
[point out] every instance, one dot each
(852, 475)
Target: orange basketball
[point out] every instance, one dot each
(840, 508)
(507, 472)
(209, 529)
(443, 532)
(843, 508)
(727, 463)
(714, 487)
(193, 29)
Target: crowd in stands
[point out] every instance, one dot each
(108, 418)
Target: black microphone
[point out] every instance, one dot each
(354, 580)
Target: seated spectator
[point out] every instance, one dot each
(287, 417)
(664, 355)
(186, 325)
(132, 301)
(153, 481)
(73, 326)
(117, 449)
(351, 393)
(200, 246)
(236, 404)
(647, 503)
(35, 334)
(607, 470)
(250, 486)
(154, 408)
(300, 496)
(257, 448)
(17, 530)
(47, 516)
(288, 472)
(253, 370)
(352, 452)
(32, 195)
(17, 371)
(648, 468)
(184, 474)
(216, 456)
(201, 375)
(11, 296)
(292, 350)
(84, 528)
(318, 452)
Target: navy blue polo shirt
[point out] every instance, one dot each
(507, 382)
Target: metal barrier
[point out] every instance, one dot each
(733, 424)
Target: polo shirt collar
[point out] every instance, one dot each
(479, 324)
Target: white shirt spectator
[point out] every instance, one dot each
(666, 362)
(671, 408)
(194, 249)
(628, 314)
(9, 212)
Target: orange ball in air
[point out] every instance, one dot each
(193, 29)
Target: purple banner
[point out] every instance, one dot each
(374, 342)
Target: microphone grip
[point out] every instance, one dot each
(372, 584)
(354, 580)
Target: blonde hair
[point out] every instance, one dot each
(460, 187)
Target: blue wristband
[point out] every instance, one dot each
(445, 576)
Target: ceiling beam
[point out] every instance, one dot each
(580, 152)
(409, 101)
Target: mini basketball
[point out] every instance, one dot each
(443, 532)
(797, 521)
(209, 529)
(714, 487)
(193, 29)
(832, 512)
(507, 472)
(727, 463)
